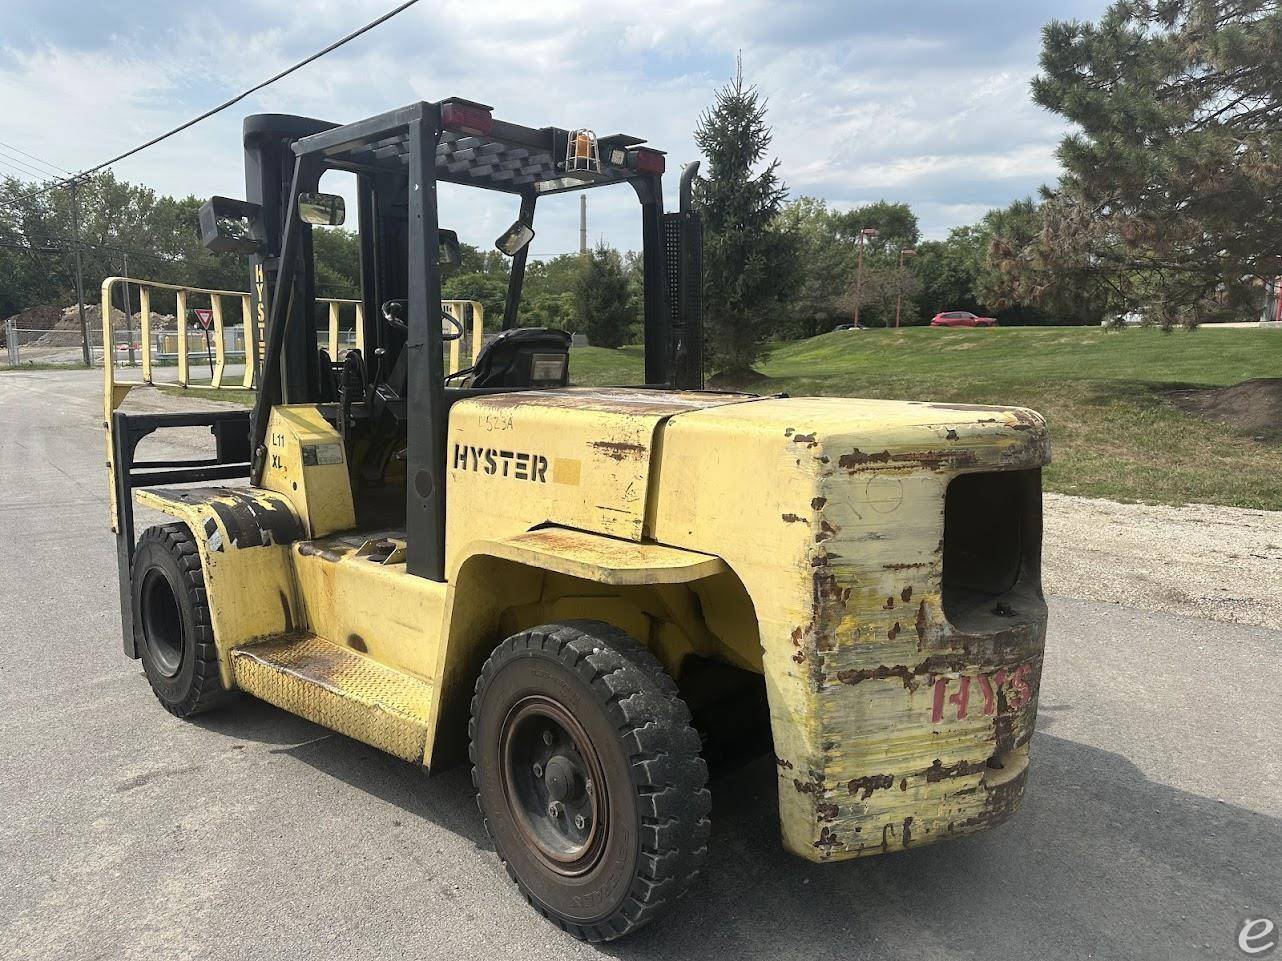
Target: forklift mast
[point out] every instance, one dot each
(398, 158)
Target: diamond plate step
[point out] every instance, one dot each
(340, 689)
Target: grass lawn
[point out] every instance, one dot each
(1113, 430)
(40, 365)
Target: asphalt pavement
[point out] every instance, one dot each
(1151, 827)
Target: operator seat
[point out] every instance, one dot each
(523, 357)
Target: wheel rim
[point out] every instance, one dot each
(162, 623)
(554, 785)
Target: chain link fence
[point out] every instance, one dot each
(61, 346)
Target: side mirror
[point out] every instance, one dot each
(515, 239)
(448, 252)
(227, 226)
(322, 210)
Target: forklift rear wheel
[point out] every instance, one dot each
(588, 776)
(171, 622)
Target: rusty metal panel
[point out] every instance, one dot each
(307, 463)
(593, 557)
(243, 536)
(340, 689)
(354, 591)
(892, 726)
(578, 457)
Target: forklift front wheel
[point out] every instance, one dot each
(588, 776)
(171, 622)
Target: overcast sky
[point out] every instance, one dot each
(924, 101)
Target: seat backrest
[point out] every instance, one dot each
(524, 357)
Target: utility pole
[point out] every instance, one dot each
(583, 225)
(861, 241)
(899, 280)
(80, 278)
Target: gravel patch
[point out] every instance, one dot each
(1222, 563)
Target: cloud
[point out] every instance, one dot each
(925, 102)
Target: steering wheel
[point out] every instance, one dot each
(392, 320)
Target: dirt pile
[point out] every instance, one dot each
(66, 330)
(1254, 406)
(33, 318)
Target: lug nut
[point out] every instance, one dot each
(554, 809)
(580, 821)
(547, 737)
(538, 770)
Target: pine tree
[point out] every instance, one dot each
(749, 263)
(605, 298)
(1171, 197)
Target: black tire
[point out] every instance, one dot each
(644, 834)
(171, 622)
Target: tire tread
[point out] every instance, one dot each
(668, 773)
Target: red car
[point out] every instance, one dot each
(962, 318)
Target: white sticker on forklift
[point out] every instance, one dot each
(322, 455)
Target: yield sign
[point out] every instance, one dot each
(206, 317)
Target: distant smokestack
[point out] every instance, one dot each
(583, 225)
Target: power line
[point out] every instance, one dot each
(41, 171)
(254, 89)
(30, 156)
(27, 170)
(223, 106)
(19, 173)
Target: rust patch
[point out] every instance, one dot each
(826, 811)
(939, 772)
(965, 407)
(857, 460)
(825, 531)
(866, 785)
(879, 673)
(951, 435)
(920, 623)
(309, 549)
(904, 567)
(804, 787)
(797, 634)
(889, 605)
(794, 519)
(893, 632)
(786, 765)
(908, 831)
(906, 594)
(619, 450)
(807, 439)
(818, 503)
(827, 839)
(1000, 804)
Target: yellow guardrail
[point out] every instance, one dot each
(458, 309)
(152, 350)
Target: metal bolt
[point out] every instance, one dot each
(580, 821)
(554, 809)
(538, 770)
(547, 737)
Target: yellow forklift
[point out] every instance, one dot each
(583, 591)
